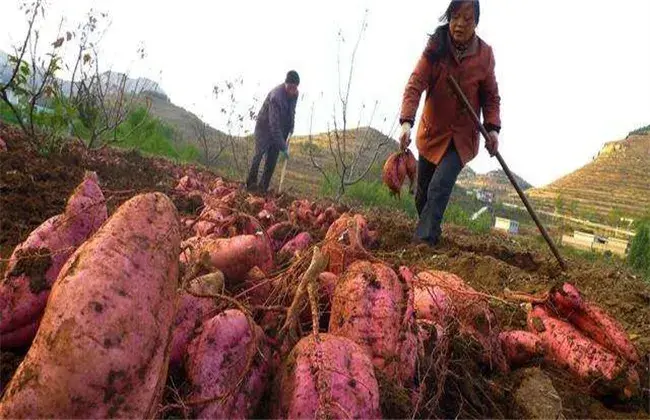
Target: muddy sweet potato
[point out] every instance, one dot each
(217, 359)
(301, 242)
(411, 168)
(328, 377)
(344, 242)
(102, 349)
(390, 174)
(567, 348)
(280, 234)
(234, 257)
(520, 347)
(35, 263)
(192, 312)
(373, 307)
(439, 294)
(592, 321)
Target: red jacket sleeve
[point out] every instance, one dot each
(491, 100)
(417, 83)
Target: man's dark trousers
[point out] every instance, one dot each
(271, 153)
(435, 183)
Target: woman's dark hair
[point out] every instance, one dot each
(438, 40)
(455, 4)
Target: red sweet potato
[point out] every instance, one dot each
(592, 321)
(411, 168)
(191, 312)
(281, 233)
(19, 338)
(35, 263)
(257, 286)
(298, 244)
(189, 183)
(326, 377)
(390, 174)
(234, 257)
(374, 307)
(439, 294)
(520, 347)
(216, 361)
(567, 348)
(344, 242)
(102, 349)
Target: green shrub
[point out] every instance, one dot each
(639, 257)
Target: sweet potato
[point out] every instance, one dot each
(217, 360)
(373, 307)
(344, 242)
(234, 257)
(326, 377)
(103, 346)
(3, 146)
(567, 348)
(592, 321)
(189, 183)
(520, 347)
(257, 286)
(35, 263)
(19, 338)
(411, 168)
(192, 312)
(390, 174)
(439, 294)
(298, 244)
(280, 234)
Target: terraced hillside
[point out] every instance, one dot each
(616, 180)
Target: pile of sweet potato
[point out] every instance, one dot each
(571, 333)
(116, 304)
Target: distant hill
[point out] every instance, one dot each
(495, 181)
(616, 179)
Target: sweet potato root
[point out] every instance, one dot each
(520, 347)
(591, 363)
(281, 233)
(103, 346)
(373, 307)
(191, 312)
(439, 294)
(217, 359)
(592, 321)
(35, 263)
(234, 257)
(344, 242)
(301, 242)
(326, 377)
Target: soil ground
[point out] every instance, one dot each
(34, 188)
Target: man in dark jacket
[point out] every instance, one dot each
(275, 123)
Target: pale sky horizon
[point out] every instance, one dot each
(573, 75)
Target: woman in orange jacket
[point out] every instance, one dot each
(447, 137)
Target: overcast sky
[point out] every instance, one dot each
(573, 74)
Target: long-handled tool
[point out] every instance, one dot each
(532, 213)
(284, 167)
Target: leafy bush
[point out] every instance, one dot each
(639, 257)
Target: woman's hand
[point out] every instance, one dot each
(492, 143)
(405, 137)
